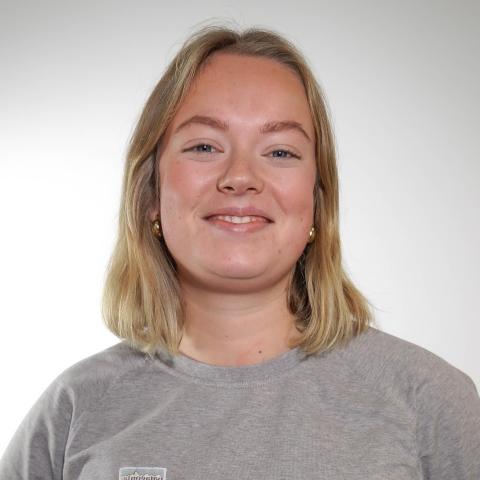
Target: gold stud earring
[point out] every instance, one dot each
(156, 228)
(311, 235)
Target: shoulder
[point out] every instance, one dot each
(439, 400)
(442, 400)
(83, 384)
(102, 367)
(97, 372)
(70, 397)
(388, 362)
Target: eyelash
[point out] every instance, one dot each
(294, 155)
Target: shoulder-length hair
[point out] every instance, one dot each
(141, 299)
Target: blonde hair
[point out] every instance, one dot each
(141, 298)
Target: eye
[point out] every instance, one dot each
(207, 148)
(200, 148)
(285, 151)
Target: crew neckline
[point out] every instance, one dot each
(209, 373)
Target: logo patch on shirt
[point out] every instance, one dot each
(142, 473)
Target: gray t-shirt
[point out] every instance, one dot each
(379, 408)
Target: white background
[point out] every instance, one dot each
(402, 81)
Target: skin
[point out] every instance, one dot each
(234, 285)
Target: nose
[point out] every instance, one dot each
(240, 175)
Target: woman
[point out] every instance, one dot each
(246, 349)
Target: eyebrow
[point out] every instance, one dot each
(275, 126)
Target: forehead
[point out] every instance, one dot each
(247, 90)
(239, 68)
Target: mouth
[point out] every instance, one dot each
(238, 224)
(239, 219)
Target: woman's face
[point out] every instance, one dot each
(222, 154)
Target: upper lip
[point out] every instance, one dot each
(239, 212)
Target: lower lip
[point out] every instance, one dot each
(238, 227)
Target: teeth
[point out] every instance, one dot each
(234, 219)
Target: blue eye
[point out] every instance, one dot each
(207, 148)
(289, 152)
(203, 148)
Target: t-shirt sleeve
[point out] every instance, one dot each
(36, 450)
(448, 425)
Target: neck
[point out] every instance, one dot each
(237, 328)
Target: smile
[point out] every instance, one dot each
(237, 224)
(237, 219)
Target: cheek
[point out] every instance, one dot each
(181, 188)
(296, 198)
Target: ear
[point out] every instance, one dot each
(153, 213)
